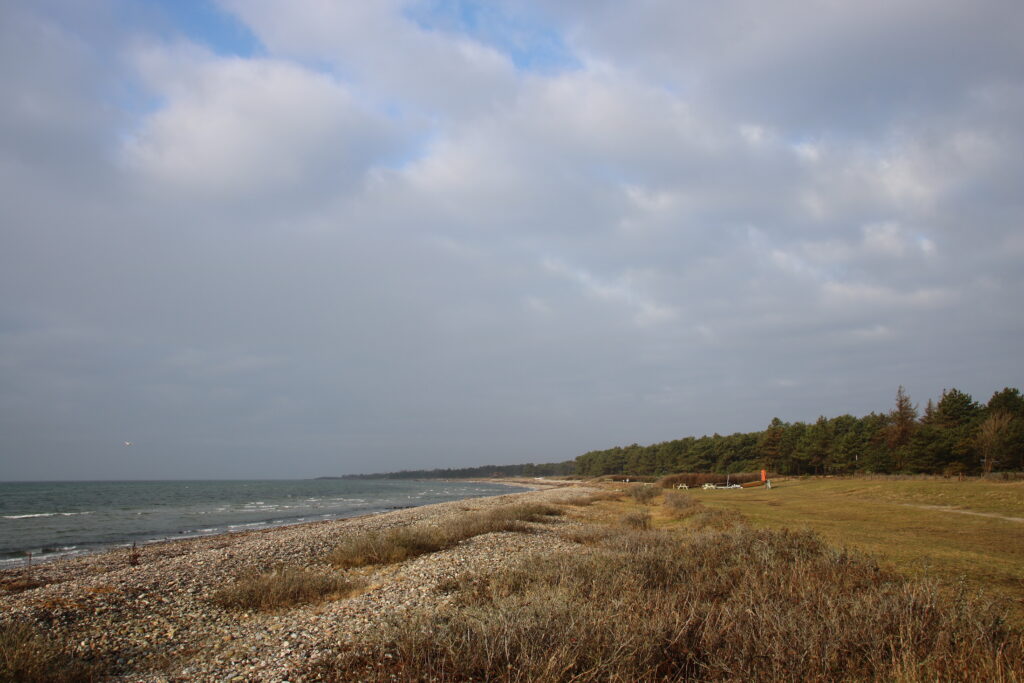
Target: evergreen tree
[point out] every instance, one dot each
(902, 423)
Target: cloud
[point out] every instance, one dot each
(234, 129)
(386, 53)
(407, 234)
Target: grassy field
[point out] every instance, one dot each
(664, 587)
(971, 531)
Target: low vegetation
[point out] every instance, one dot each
(396, 545)
(17, 584)
(590, 498)
(284, 587)
(698, 602)
(643, 493)
(636, 520)
(954, 531)
(681, 505)
(26, 656)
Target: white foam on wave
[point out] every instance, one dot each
(46, 514)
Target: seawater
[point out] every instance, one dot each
(54, 519)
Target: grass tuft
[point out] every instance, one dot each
(591, 498)
(681, 505)
(284, 587)
(636, 520)
(28, 657)
(397, 545)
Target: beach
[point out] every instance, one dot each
(150, 615)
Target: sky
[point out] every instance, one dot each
(262, 239)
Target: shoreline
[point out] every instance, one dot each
(154, 619)
(71, 550)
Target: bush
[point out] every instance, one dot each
(742, 604)
(591, 498)
(28, 657)
(643, 493)
(636, 520)
(284, 587)
(397, 545)
(681, 505)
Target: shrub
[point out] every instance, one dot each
(636, 520)
(681, 505)
(741, 604)
(397, 545)
(284, 587)
(28, 657)
(716, 518)
(643, 493)
(591, 498)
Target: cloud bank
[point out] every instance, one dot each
(413, 234)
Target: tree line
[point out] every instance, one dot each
(551, 469)
(954, 435)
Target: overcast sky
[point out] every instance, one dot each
(292, 238)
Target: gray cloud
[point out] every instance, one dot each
(380, 245)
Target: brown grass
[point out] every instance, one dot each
(585, 500)
(740, 604)
(636, 520)
(681, 505)
(927, 528)
(284, 587)
(18, 584)
(643, 494)
(26, 656)
(397, 545)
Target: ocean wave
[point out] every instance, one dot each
(46, 514)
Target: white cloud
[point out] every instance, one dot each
(732, 193)
(385, 53)
(645, 310)
(234, 128)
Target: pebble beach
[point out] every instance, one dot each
(151, 617)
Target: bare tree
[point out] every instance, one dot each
(990, 439)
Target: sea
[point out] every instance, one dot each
(42, 521)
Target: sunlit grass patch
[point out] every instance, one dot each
(397, 545)
(284, 587)
(740, 604)
(27, 656)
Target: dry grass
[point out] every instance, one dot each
(945, 529)
(397, 545)
(28, 657)
(740, 604)
(284, 587)
(18, 584)
(636, 520)
(643, 493)
(591, 498)
(681, 505)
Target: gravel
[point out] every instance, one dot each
(156, 621)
